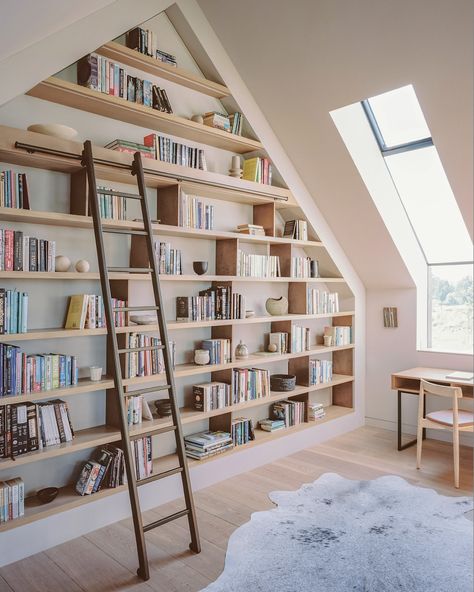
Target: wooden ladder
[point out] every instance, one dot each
(136, 169)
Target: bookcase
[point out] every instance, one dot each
(265, 205)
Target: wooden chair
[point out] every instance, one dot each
(454, 420)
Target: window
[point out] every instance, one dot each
(413, 163)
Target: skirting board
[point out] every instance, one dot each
(43, 534)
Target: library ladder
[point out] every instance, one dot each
(140, 529)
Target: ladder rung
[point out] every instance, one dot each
(129, 350)
(165, 520)
(130, 269)
(119, 194)
(125, 231)
(156, 431)
(159, 476)
(151, 389)
(134, 308)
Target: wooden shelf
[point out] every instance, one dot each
(69, 275)
(84, 386)
(73, 95)
(134, 59)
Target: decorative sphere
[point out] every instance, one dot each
(272, 347)
(62, 263)
(83, 266)
(197, 119)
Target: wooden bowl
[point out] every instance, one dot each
(200, 267)
(47, 495)
(163, 407)
(282, 383)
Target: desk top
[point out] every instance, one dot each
(432, 374)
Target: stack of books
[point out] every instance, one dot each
(258, 170)
(242, 431)
(218, 120)
(252, 229)
(113, 207)
(13, 311)
(194, 213)
(280, 339)
(130, 148)
(236, 121)
(341, 335)
(211, 395)
(304, 267)
(167, 150)
(320, 371)
(300, 339)
(13, 190)
(206, 444)
(216, 303)
(144, 41)
(250, 265)
(322, 302)
(142, 454)
(297, 229)
(249, 384)
(22, 373)
(291, 412)
(25, 253)
(169, 260)
(86, 311)
(148, 362)
(137, 409)
(12, 499)
(316, 411)
(271, 425)
(219, 350)
(105, 469)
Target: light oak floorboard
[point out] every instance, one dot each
(106, 559)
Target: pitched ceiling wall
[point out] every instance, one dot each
(304, 58)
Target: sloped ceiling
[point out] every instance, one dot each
(304, 58)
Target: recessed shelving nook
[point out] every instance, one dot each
(60, 211)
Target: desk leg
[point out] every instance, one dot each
(401, 446)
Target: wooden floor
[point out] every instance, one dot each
(106, 560)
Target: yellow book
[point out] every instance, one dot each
(76, 314)
(251, 171)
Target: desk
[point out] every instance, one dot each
(408, 381)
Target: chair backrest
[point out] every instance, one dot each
(453, 392)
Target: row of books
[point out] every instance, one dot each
(145, 42)
(12, 499)
(25, 427)
(289, 411)
(249, 384)
(13, 311)
(297, 229)
(169, 259)
(22, 373)
(137, 409)
(100, 74)
(86, 311)
(194, 213)
(19, 252)
(319, 302)
(251, 265)
(280, 339)
(112, 207)
(242, 431)
(316, 411)
(167, 150)
(148, 362)
(304, 267)
(258, 170)
(13, 190)
(300, 339)
(142, 454)
(320, 371)
(130, 148)
(219, 350)
(217, 303)
(211, 395)
(205, 444)
(341, 335)
(105, 469)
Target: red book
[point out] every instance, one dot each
(8, 246)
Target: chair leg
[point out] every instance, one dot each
(419, 444)
(456, 458)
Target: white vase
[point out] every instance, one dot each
(277, 306)
(201, 357)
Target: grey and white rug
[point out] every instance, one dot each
(338, 535)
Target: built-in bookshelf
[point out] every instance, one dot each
(267, 206)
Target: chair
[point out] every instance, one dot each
(454, 420)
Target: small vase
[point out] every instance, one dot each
(241, 351)
(201, 357)
(277, 306)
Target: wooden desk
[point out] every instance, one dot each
(408, 381)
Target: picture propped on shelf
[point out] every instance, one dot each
(14, 190)
(86, 311)
(130, 148)
(297, 229)
(167, 150)
(258, 170)
(13, 312)
(105, 469)
(19, 252)
(145, 42)
(203, 445)
(12, 499)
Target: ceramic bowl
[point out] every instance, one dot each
(163, 407)
(54, 129)
(143, 319)
(282, 382)
(47, 494)
(200, 267)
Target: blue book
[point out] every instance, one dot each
(24, 313)
(62, 371)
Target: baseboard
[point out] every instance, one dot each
(43, 534)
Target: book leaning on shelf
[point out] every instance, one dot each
(167, 150)
(86, 311)
(19, 252)
(169, 260)
(142, 454)
(105, 469)
(14, 190)
(12, 499)
(242, 431)
(13, 312)
(149, 362)
(194, 213)
(205, 444)
(22, 373)
(26, 427)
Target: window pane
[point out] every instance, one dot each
(399, 117)
(430, 204)
(451, 291)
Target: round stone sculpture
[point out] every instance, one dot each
(83, 266)
(62, 263)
